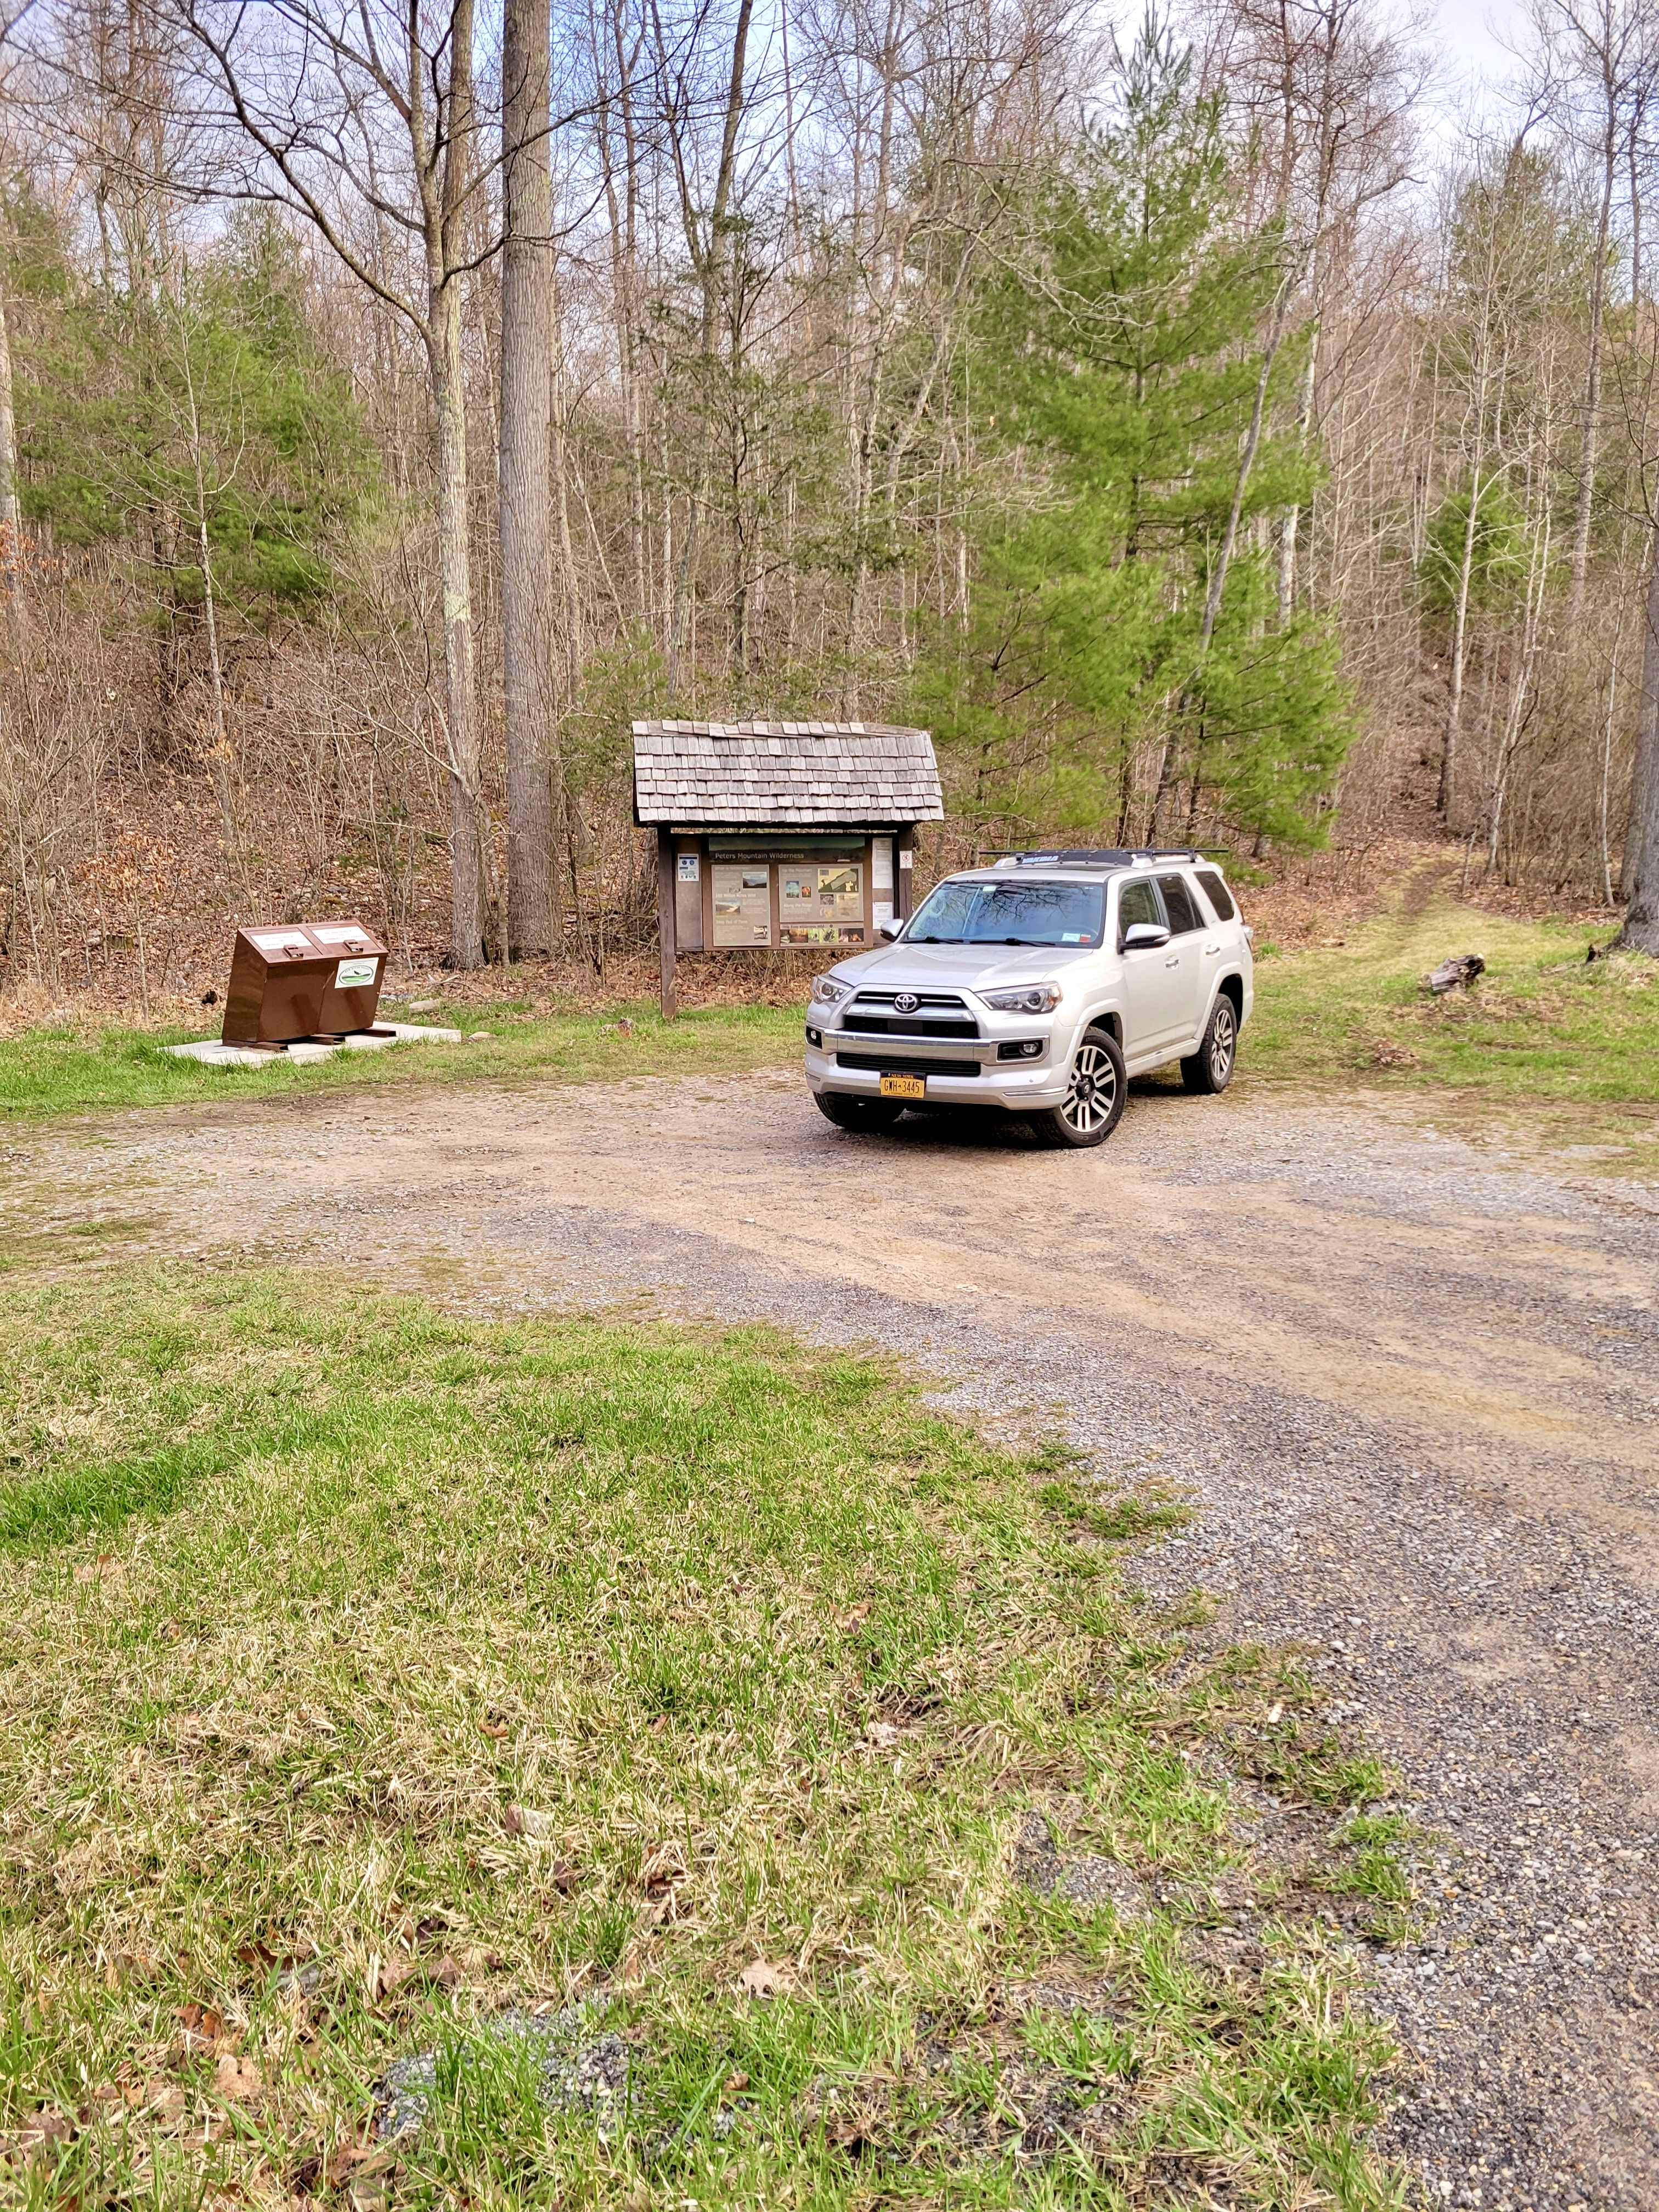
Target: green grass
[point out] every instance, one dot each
(451, 1666)
(59, 1071)
(1543, 1035)
(1541, 1031)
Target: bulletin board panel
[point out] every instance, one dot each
(740, 896)
(748, 894)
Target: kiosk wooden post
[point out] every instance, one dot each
(665, 922)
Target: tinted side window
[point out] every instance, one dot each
(1179, 905)
(1217, 893)
(1138, 902)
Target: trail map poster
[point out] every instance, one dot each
(743, 904)
(814, 890)
(841, 892)
(821, 902)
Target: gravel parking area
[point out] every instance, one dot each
(1411, 1384)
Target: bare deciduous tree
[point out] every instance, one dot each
(526, 544)
(355, 114)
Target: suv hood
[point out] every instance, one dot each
(978, 967)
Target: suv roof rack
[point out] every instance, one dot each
(1111, 856)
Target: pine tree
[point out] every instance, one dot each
(1127, 353)
(103, 407)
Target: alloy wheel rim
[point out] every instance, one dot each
(1221, 1049)
(1092, 1091)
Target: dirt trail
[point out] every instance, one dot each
(1412, 1386)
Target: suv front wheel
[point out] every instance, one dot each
(1093, 1105)
(1211, 1067)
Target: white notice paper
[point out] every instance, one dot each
(881, 866)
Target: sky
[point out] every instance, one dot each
(1470, 35)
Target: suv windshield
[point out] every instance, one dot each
(1010, 913)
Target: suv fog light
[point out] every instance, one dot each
(1026, 1048)
(815, 1036)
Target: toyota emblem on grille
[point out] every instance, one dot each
(906, 1001)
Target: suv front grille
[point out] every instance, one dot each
(907, 1025)
(893, 1063)
(936, 1014)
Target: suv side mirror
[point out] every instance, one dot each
(1143, 937)
(889, 930)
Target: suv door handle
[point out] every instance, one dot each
(1174, 961)
(1209, 949)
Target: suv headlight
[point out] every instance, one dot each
(826, 992)
(1029, 998)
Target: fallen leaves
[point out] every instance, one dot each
(883, 1734)
(350, 2161)
(390, 1975)
(855, 1616)
(41, 2136)
(238, 2081)
(761, 1978)
(200, 2027)
(447, 1973)
(164, 2101)
(104, 1569)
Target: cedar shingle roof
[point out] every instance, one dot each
(797, 773)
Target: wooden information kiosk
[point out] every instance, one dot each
(791, 835)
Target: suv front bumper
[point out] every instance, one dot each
(854, 1062)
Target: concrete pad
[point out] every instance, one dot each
(407, 1033)
(213, 1052)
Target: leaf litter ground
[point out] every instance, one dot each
(448, 1763)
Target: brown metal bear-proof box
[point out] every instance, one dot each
(314, 979)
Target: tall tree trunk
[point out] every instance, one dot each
(467, 947)
(1590, 431)
(1641, 869)
(219, 753)
(446, 177)
(1458, 655)
(11, 568)
(708, 258)
(525, 519)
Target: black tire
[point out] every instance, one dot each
(868, 1114)
(1211, 1067)
(1094, 1100)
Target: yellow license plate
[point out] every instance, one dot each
(904, 1086)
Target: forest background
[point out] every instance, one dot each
(1201, 437)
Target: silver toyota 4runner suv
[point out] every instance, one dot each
(1039, 985)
